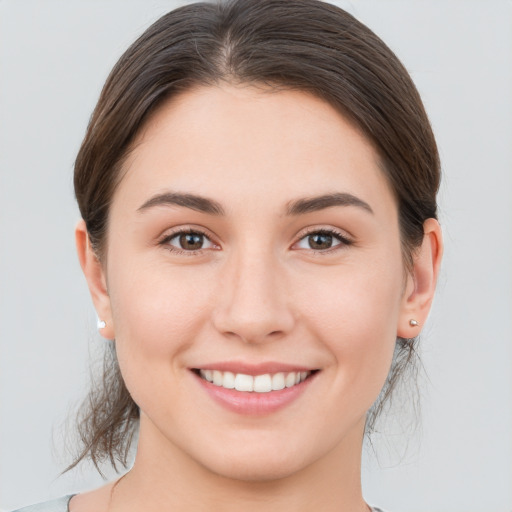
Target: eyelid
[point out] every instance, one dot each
(340, 235)
(164, 239)
(344, 239)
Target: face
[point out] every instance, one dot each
(253, 241)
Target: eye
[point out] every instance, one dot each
(322, 240)
(188, 241)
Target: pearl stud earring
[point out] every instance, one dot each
(413, 323)
(101, 324)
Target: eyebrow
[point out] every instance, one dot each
(296, 207)
(314, 204)
(192, 201)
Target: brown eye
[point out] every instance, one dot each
(188, 241)
(320, 241)
(191, 241)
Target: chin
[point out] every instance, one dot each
(256, 460)
(261, 470)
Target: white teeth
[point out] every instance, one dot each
(229, 380)
(290, 380)
(259, 383)
(244, 382)
(263, 383)
(278, 381)
(207, 374)
(217, 378)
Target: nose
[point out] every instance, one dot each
(253, 305)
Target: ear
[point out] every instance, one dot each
(421, 281)
(96, 280)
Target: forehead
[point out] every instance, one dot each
(251, 143)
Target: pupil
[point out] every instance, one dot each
(320, 241)
(191, 241)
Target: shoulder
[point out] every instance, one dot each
(58, 505)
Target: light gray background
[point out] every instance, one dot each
(54, 57)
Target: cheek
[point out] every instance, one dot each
(356, 317)
(157, 311)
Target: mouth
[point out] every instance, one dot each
(254, 389)
(263, 383)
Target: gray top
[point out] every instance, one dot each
(58, 505)
(62, 505)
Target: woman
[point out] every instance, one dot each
(257, 186)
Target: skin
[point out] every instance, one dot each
(256, 291)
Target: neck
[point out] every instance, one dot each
(164, 478)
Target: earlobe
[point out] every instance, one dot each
(422, 280)
(96, 280)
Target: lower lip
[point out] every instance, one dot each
(252, 403)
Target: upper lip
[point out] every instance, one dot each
(254, 368)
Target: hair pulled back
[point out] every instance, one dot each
(303, 45)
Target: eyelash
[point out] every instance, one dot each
(340, 237)
(187, 231)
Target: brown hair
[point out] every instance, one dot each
(305, 45)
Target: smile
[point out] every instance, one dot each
(254, 389)
(254, 383)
